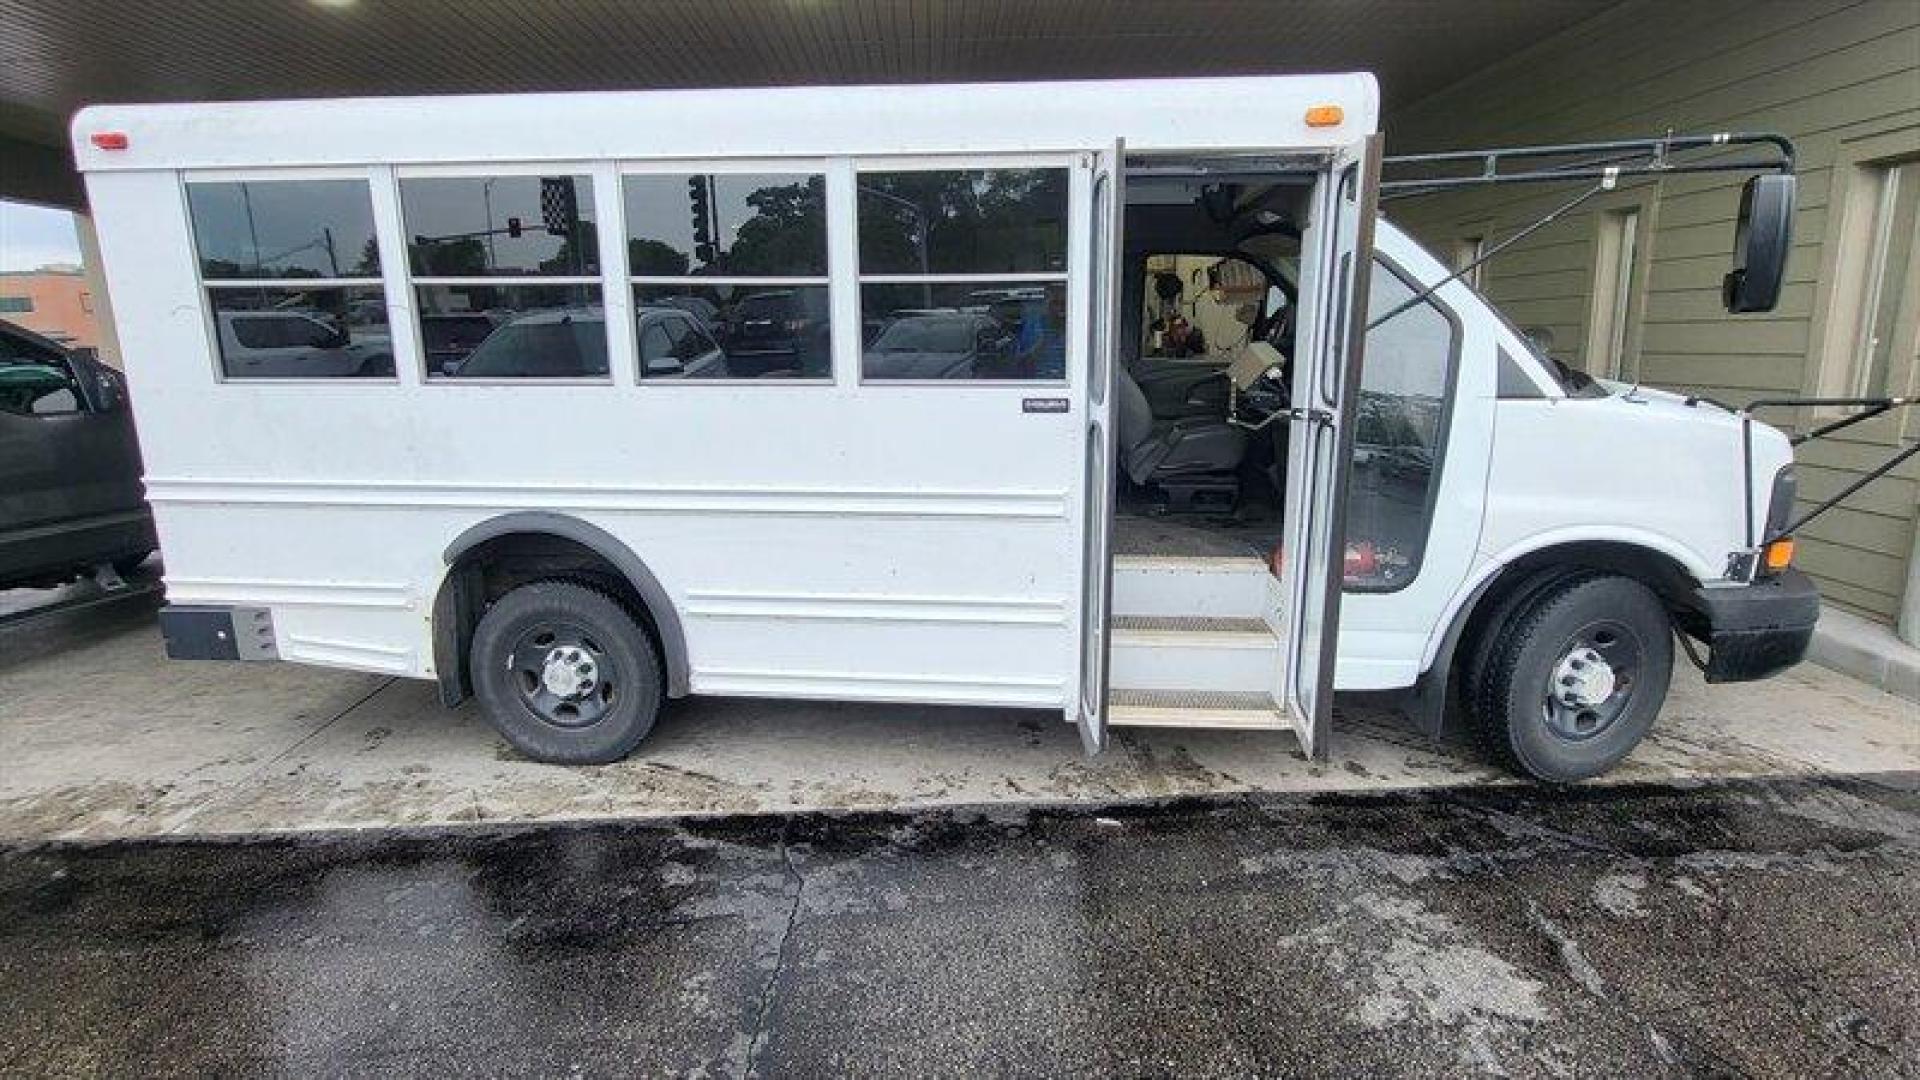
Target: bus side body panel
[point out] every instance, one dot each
(838, 541)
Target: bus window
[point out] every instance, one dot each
(744, 255)
(1400, 428)
(291, 273)
(506, 276)
(963, 274)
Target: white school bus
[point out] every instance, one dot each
(1112, 399)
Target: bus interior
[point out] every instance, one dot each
(1207, 337)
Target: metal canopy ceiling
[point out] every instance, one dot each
(58, 56)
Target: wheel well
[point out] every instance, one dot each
(484, 568)
(1659, 572)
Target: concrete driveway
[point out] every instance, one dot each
(100, 737)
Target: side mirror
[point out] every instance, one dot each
(1761, 236)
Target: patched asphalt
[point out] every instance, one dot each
(1756, 927)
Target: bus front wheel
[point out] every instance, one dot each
(566, 673)
(1574, 680)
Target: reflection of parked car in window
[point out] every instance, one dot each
(699, 307)
(449, 337)
(779, 331)
(69, 466)
(297, 344)
(563, 343)
(674, 345)
(937, 347)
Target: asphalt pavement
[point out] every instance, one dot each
(1766, 927)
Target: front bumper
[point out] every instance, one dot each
(1758, 630)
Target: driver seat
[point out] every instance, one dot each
(1192, 459)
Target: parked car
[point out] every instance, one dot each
(953, 346)
(779, 333)
(449, 337)
(294, 344)
(70, 495)
(571, 343)
(674, 345)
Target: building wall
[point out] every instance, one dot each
(54, 303)
(1842, 79)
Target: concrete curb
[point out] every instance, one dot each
(1867, 651)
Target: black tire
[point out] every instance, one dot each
(1575, 732)
(127, 565)
(574, 632)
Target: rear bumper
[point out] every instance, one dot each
(1758, 630)
(63, 548)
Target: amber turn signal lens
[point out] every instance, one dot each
(1325, 116)
(1780, 553)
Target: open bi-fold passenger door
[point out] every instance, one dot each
(1326, 378)
(1107, 215)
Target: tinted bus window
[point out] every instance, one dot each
(291, 273)
(744, 258)
(963, 275)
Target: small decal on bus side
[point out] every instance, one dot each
(1043, 405)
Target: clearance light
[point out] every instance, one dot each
(1780, 553)
(1325, 116)
(110, 140)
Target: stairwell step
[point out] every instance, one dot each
(1215, 624)
(1194, 709)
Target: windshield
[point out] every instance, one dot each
(926, 335)
(1573, 382)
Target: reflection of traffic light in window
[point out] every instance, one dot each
(559, 205)
(700, 195)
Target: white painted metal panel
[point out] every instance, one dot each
(1149, 114)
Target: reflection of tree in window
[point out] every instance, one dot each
(1007, 220)
(787, 231)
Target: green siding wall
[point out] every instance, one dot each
(1824, 73)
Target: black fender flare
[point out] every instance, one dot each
(450, 658)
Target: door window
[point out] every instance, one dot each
(1203, 305)
(32, 389)
(1400, 426)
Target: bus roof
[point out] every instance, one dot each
(1253, 113)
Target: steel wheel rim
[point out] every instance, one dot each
(1592, 683)
(563, 675)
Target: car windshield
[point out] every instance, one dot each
(926, 335)
(568, 348)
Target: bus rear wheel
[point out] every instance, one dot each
(1575, 679)
(566, 673)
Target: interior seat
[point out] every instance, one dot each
(1178, 388)
(1191, 458)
